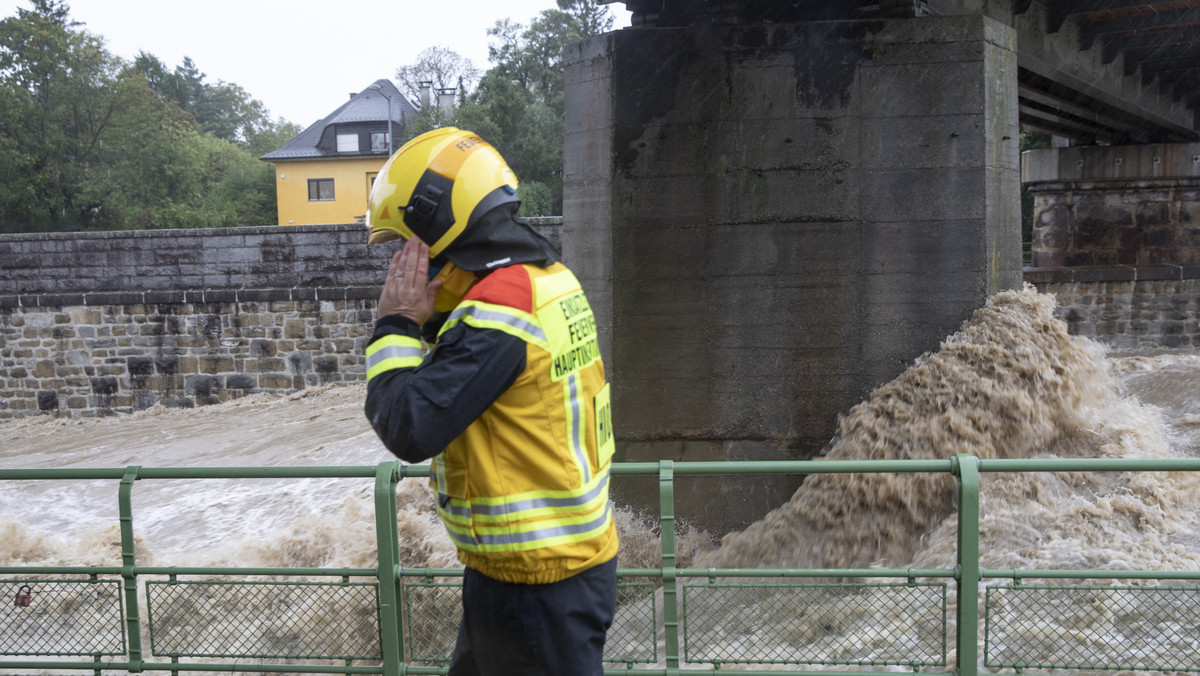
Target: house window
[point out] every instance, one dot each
(347, 143)
(320, 189)
(378, 140)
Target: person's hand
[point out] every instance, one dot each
(407, 290)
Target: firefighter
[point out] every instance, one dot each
(485, 361)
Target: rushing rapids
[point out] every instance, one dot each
(1010, 383)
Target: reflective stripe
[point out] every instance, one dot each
(575, 422)
(519, 508)
(488, 316)
(438, 476)
(459, 509)
(392, 352)
(557, 532)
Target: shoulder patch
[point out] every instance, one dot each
(508, 286)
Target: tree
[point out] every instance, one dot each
(224, 110)
(88, 141)
(181, 177)
(142, 185)
(518, 104)
(59, 96)
(441, 66)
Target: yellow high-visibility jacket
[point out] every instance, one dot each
(516, 377)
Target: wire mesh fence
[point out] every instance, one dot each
(433, 610)
(876, 624)
(402, 618)
(633, 637)
(61, 617)
(295, 620)
(1093, 627)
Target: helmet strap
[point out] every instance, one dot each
(428, 214)
(419, 213)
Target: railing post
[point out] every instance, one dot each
(391, 622)
(666, 507)
(966, 467)
(133, 622)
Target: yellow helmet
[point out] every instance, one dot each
(435, 186)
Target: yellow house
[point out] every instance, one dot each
(324, 174)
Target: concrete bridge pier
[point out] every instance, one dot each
(772, 220)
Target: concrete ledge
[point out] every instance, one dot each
(1111, 163)
(1115, 273)
(311, 262)
(185, 232)
(179, 296)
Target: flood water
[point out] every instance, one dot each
(1010, 383)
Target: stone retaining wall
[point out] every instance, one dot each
(87, 360)
(100, 323)
(1114, 205)
(1116, 238)
(1126, 307)
(69, 350)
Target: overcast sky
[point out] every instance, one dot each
(301, 58)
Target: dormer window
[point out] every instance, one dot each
(378, 140)
(347, 143)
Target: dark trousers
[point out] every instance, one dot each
(553, 629)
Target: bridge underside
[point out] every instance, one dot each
(776, 206)
(1112, 71)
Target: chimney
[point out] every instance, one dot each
(445, 101)
(426, 89)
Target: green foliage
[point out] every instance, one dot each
(224, 110)
(58, 97)
(537, 199)
(88, 141)
(518, 103)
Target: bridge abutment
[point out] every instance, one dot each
(1116, 238)
(772, 220)
(1135, 206)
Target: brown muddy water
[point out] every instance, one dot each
(1010, 383)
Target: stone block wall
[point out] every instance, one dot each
(114, 322)
(1127, 308)
(88, 360)
(1110, 223)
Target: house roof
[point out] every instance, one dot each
(369, 105)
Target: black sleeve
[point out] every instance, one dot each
(418, 411)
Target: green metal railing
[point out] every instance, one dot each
(393, 620)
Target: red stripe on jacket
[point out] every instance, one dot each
(508, 286)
